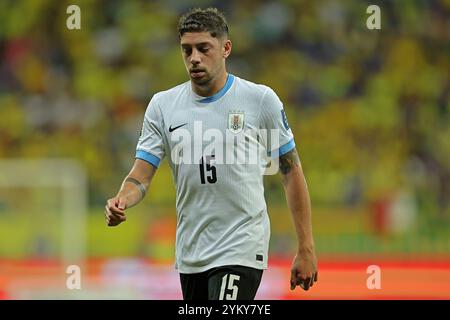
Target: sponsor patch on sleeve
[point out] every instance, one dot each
(285, 122)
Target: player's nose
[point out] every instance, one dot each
(195, 57)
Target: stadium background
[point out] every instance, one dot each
(369, 109)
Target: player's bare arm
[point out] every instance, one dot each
(304, 267)
(132, 191)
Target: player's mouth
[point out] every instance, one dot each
(197, 73)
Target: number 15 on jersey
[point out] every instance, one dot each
(207, 169)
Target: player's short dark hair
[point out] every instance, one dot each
(203, 20)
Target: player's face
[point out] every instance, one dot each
(204, 56)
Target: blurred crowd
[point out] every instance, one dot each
(369, 108)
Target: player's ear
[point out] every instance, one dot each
(226, 48)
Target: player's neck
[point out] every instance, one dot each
(211, 88)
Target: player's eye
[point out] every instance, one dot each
(187, 51)
(203, 49)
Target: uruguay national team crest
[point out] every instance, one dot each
(235, 121)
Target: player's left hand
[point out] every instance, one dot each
(304, 270)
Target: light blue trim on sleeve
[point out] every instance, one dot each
(150, 158)
(284, 148)
(222, 91)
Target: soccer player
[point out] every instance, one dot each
(223, 230)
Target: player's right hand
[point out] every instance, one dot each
(115, 211)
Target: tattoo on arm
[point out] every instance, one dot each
(288, 161)
(138, 184)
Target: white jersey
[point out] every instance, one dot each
(209, 142)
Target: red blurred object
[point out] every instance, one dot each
(380, 209)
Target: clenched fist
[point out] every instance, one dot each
(115, 211)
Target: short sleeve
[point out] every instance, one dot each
(150, 146)
(279, 138)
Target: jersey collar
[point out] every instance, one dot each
(221, 93)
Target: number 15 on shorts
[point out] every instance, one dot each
(229, 282)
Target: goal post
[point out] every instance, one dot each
(66, 174)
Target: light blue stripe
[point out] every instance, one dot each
(285, 148)
(219, 94)
(144, 155)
